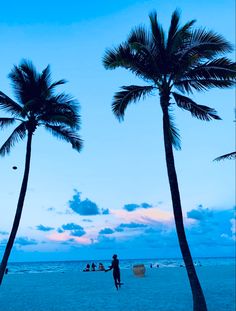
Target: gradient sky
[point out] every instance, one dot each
(113, 196)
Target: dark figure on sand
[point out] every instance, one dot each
(116, 271)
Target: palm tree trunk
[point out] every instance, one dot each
(199, 303)
(19, 208)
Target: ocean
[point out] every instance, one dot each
(75, 266)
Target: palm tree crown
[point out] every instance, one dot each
(184, 60)
(38, 105)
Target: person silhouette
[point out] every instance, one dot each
(93, 266)
(87, 269)
(101, 267)
(116, 271)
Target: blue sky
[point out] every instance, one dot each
(114, 195)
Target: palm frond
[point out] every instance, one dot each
(138, 54)
(59, 82)
(199, 111)
(174, 134)
(62, 115)
(221, 68)
(28, 69)
(206, 44)
(44, 80)
(174, 27)
(4, 122)
(18, 83)
(145, 61)
(117, 57)
(229, 156)
(63, 108)
(129, 94)
(186, 85)
(178, 40)
(63, 99)
(9, 105)
(139, 35)
(18, 134)
(66, 134)
(24, 82)
(157, 33)
(59, 119)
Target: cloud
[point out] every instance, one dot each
(132, 207)
(211, 232)
(105, 242)
(43, 228)
(105, 211)
(51, 209)
(3, 242)
(68, 242)
(211, 227)
(79, 237)
(118, 229)
(106, 231)
(3, 233)
(85, 207)
(75, 230)
(200, 213)
(148, 232)
(72, 226)
(23, 241)
(145, 205)
(78, 233)
(131, 225)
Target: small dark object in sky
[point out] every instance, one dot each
(14, 167)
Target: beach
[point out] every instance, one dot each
(162, 289)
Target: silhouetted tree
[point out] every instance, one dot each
(184, 59)
(37, 105)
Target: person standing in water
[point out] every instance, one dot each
(116, 271)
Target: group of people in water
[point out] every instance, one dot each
(89, 268)
(114, 266)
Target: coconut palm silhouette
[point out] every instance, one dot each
(183, 60)
(37, 105)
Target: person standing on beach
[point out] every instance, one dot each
(116, 271)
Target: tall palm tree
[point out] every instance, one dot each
(37, 105)
(185, 59)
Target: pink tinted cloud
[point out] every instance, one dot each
(144, 216)
(65, 236)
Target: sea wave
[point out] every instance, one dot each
(65, 266)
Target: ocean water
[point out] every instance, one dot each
(65, 266)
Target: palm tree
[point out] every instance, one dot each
(37, 105)
(186, 60)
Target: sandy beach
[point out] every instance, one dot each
(164, 289)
